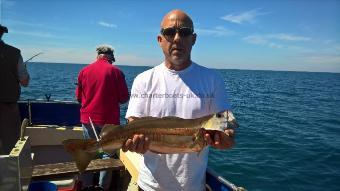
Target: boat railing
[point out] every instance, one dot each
(62, 113)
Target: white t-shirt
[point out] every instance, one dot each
(191, 93)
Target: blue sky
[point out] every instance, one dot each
(292, 35)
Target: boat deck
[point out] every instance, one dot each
(60, 170)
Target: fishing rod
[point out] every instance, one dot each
(33, 57)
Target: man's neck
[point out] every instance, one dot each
(177, 67)
(106, 59)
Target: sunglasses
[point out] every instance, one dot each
(182, 31)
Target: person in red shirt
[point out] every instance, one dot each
(101, 88)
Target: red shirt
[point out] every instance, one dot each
(101, 88)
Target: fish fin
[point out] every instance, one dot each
(171, 117)
(77, 148)
(143, 119)
(149, 118)
(192, 145)
(232, 122)
(197, 139)
(107, 128)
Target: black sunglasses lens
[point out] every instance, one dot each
(185, 31)
(169, 32)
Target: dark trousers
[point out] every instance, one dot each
(9, 126)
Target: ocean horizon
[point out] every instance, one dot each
(119, 65)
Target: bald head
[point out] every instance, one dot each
(176, 39)
(176, 18)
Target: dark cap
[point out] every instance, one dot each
(3, 29)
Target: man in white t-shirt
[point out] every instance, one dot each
(177, 87)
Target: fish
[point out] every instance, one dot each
(167, 135)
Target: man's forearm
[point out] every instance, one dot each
(23, 75)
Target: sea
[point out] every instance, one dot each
(289, 134)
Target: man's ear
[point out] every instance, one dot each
(194, 38)
(159, 38)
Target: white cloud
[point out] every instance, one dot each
(319, 62)
(58, 55)
(217, 31)
(322, 58)
(137, 60)
(337, 48)
(34, 33)
(269, 40)
(42, 34)
(248, 16)
(34, 25)
(329, 41)
(255, 39)
(288, 37)
(106, 24)
(275, 45)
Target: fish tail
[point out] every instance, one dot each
(79, 149)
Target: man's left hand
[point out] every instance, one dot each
(220, 140)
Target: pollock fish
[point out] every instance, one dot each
(166, 135)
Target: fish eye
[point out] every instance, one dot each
(218, 115)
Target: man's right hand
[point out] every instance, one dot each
(138, 143)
